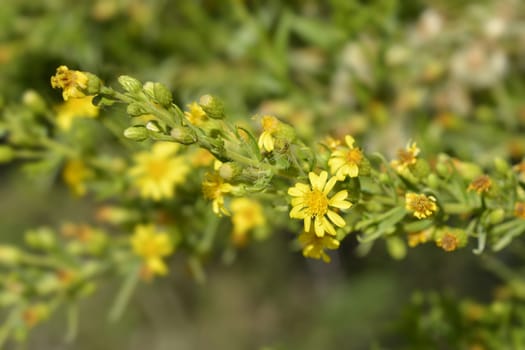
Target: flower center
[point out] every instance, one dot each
(316, 203)
(270, 124)
(449, 242)
(157, 169)
(421, 204)
(354, 156)
(406, 157)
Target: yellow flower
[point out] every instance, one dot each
(196, 114)
(312, 202)
(246, 215)
(75, 174)
(480, 184)
(72, 82)
(406, 157)
(448, 242)
(420, 205)
(346, 162)
(314, 246)
(519, 210)
(417, 238)
(157, 172)
(75, 108)
(152, 246)
(214, 188)
(270, 126)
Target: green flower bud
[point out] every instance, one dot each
(136, 133)
(285, 132)
(496, 216)
(501, 165)
(129, 84)
(94, 84)
(396, 248)
(6, 154)
(42, 238)
(213, 107)
(135, 110)
(158, 93)
(229, 170)
(33, 100)
(384, 178)
(433, 181)
(420, 169)
(9, 255)
(184, 135)
(162, 94)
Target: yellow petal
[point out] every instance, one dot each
(336, 218)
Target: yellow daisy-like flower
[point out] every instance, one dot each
(158, 171)
(314, 246)
(214, 188)
(270, 126)
(406, 157)
(196, 114)
(152, 246)
(72, 82)
(312, 202)
(480, 184)
(75, 174)
(246, 215)
(420, 205)
(346, 162)
(75, 108)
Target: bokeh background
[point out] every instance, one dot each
(447, 74)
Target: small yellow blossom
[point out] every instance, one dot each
(312, 202)
(196, 114)
(214, 188)
(417, 238)
(331, 143)
(346, 162)
(480, 184)
(35, 314)
(152, 246)
(157, 172)
(420, 205)
(246, 215)
(270, 126)
(75, 108)
(72, 82)
(406, 157)
(519, 210)
(448, 242)
(314, 246)
(75, 175)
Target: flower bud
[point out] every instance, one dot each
(229, 170)
(496, 216)
(94, 84)
(33, 100)
(213, 107)
(135, 110)
(129, 84)
(9, 255)
(42, 238)
(433, 181)
(420, 169)
(158, 92)
(6, 154)
(136, 133)
(501, 165)
(184, 135)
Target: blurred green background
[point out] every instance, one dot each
(447, 74)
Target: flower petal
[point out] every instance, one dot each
(336, 218)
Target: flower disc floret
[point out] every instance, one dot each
(72, 82)
(312, 202)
